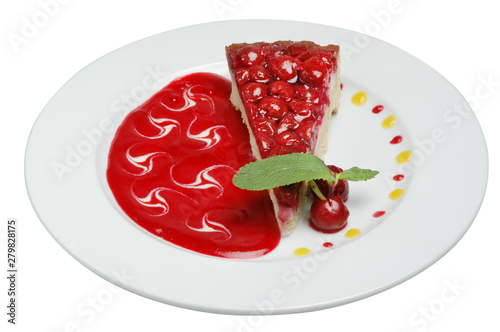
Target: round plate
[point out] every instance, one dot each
(423, 142)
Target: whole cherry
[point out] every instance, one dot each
(329, 215)
(340, 189)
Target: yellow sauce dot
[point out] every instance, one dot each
(396, 194)
(403, 157)
(359, 98)
(353, 232)
(301, 252)
(389, 122)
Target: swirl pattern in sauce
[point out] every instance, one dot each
(170, 168)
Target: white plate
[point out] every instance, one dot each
(67, 153)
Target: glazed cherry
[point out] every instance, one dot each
(301, 107)
(286, 123)
(278, 150)
(330, 215)
(254, 91)
(259, 74)
(283, 67)
(276, 50)
(296, 49)
(241, 75)
(306, 131)
(340, 189)
(265, 143)
(309, 95)
(250, 55)
(288, 195)
(283, 90)
(273, 107)
(314, 72)
(288, 138)
(265, 126)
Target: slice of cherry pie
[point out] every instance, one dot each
(286, 92)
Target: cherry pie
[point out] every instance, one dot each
(286, 92)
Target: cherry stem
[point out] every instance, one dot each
(316, 190)
(336, 179)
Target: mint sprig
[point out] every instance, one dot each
(356, 174)
(291, 168)
(280, 171)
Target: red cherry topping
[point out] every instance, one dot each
(282, 82)
(306, 131)
(296, 49)
(283, 67)
(301, 107)
(330, 215)
(241, 75)
(250, 55)
(276, 51)
(314, 72)
(259, 74)
(324, 55)
(278, 150)
(265, 143)
(286, 123)
(288, 195)
(299, 51)
(266, 126)
(309, 95)
(274, 107)
(254, 91)
(288, 138)
(253, 110)
(282, 90)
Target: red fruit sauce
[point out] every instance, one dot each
(171, 166)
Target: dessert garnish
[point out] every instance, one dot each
(328, 183)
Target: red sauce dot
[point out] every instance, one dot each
(341, 86)
(378, 214)
(327, 244)
(398, 177)
(396, 139)
(377, 109)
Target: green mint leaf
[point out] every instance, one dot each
(357, 174)
(280, 171)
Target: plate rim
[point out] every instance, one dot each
(228, 309)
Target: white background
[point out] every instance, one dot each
(459, 39)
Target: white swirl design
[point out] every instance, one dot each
(165, 125)
(202, 97)
(188, 102)
(208, 226)
(209, 136)
(203, 180)
(144, 162)
(154, 200)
